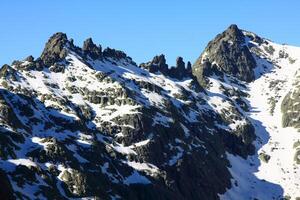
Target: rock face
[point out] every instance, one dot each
(228, 53)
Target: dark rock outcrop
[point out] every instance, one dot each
(7, 71)
(116, 54)
(158, 63)
(189, 67)
(89, 48)
(29, 58)
(179, 71)
(55, 50)
(227, 53)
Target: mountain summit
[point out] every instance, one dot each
(228, 53)
(89, 123)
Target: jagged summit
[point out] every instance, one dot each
(55, 49)
(29, 59)
(89, 48)
(234, 34)
(58, 46)
(158, 64)
(227, 53)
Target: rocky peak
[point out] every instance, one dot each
(228, 53)
(179, 71)
(233, 33)
(180, 64)
(189, 66)
(54, 49)
(115, 54)
(160, 60)
(29, 58)
(158, 63)
(6, 71)
(89, 48)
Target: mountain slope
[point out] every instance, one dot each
(272, 101)
(267, 93)
(86, 123)
(92, 123)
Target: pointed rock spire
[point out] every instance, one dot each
(158, 63)
(234, 33)
(228, 53)
(89, 48)
(180, 65)
(180, 71)
(29, 58)
(54, 49)
(189, 67)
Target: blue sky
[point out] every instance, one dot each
(141, 29)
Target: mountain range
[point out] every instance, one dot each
(90, 123)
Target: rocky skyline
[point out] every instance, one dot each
(91, 123)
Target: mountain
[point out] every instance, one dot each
(89, 123)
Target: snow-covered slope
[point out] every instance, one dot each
(274, 86)
(273, 172)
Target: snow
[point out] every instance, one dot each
(141, 143)
(280, 176)
(123, 150)
(236, 124)
(23, 161)
(154, 98)
(136, 178)
(146, 167)
(85, 139)
(215, 98)
(128, 149)
(116, 111)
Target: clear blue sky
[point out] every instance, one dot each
(141, 28)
